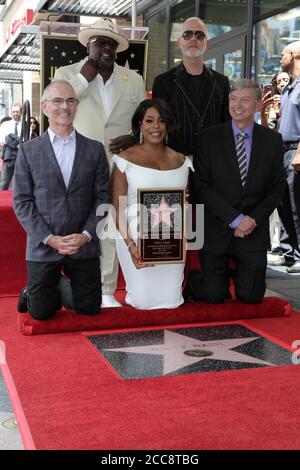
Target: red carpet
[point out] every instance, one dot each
(12, 249)
(72, 400)
(128, 317)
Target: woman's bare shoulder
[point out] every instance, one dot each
(130, 153)
(178, 157)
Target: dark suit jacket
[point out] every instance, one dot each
(176, 88)
(217, 184)
(44, 205)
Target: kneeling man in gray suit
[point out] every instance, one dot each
(60, 180)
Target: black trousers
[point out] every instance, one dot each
(289, 211)
(212, 282)
(43, 278)
(7, 174)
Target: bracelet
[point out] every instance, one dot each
(131, 243)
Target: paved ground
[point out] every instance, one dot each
(283, 284)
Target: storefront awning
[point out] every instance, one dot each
(87, 7)
(20, 55)
(11, 76)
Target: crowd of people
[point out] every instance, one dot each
(105, 141)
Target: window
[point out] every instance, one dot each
(157, 50)
(270, 38)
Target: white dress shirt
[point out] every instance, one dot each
(105, 90)
(64, 151)
(8, 127)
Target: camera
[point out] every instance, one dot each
(267, 88)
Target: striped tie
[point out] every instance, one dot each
(241, 156)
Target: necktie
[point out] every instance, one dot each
(241, 156)
(16, 129)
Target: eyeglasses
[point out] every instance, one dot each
(105, 42)
(61, 101)
(200, 35)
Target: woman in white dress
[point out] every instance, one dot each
(150, 164)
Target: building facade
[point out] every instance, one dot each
(246, 37)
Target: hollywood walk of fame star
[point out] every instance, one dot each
(127, 66)
(176, 346)
(162, 214)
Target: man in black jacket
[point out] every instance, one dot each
(239, 177)
(197, 94)
(9, 154)
(10, 133)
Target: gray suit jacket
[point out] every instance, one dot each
(44, 205)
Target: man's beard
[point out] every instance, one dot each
(193, 54)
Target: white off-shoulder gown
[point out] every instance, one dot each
(159, 286)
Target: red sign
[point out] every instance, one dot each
(26, 18)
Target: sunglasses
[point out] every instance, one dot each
(200, 35)
(105, 42)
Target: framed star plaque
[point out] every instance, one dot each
(161, 222)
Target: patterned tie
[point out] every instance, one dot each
(241, 156)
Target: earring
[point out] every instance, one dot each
(166, 139)
(141, 139)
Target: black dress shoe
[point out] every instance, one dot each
(22, 302)
(65, 291)
(188, 295)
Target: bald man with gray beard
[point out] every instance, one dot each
(197, 94)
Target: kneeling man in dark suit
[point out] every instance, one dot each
(239, 177)
(60, 180)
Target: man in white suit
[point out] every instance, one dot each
(108, 95)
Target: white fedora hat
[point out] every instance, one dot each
(103, 27)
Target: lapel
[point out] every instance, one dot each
(255, 155)
(77, 159)
(47, 150)
(94, 92)
(231, 151)
(119, 83)
(183, 84)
